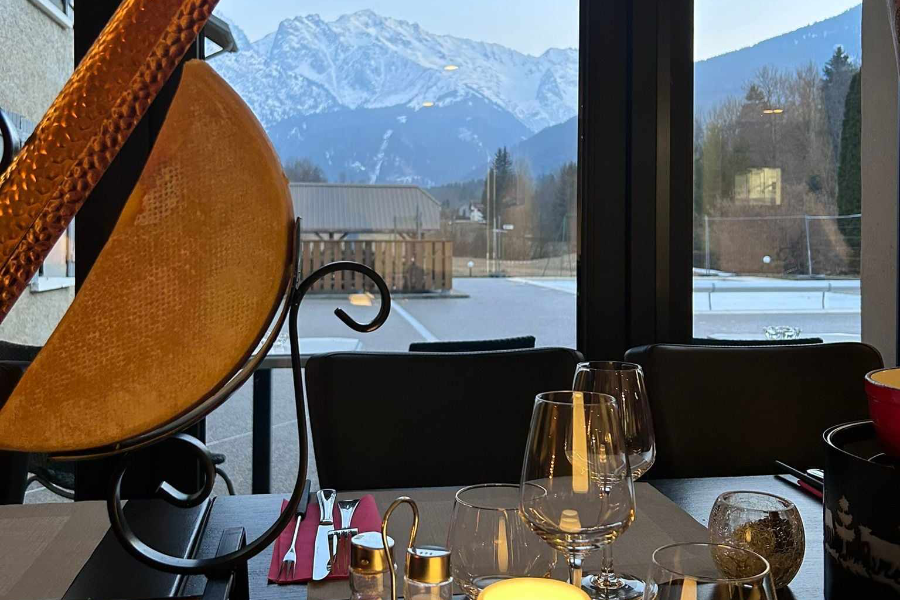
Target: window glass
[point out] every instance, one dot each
(436, 143)
(777, 170)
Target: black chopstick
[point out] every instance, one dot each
(812, 481)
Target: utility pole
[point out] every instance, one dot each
(494, 224)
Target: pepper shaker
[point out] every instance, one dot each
(370, 567)
(428, 574)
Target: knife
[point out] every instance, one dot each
(321, 552)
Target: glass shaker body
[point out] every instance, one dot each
(370, 575)
(370, 586)
(417, 590)
(428, 574)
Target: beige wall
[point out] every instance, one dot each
(879, 182)
(35, 315)
(36, 58)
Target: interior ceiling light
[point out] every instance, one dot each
(451, 68)
(428, 104)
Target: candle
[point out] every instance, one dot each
(689, 589)
(532, 588)
(579, 445)
(502, 548)
(569, 521)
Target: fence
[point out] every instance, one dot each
(406, 266)
(803, 245)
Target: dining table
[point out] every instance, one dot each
(114, 569)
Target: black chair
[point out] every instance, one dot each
(721, 411)
(793, 342)
(514, 343)
(386, 420)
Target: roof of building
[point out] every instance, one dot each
(359, 208)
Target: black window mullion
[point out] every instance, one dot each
(602, 179)
(635, 178)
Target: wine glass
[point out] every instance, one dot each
(490, 542)
(680, 571)
(624, 382)
(576, 491)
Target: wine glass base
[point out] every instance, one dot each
(626, 588)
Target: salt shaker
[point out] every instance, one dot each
(370, 567)
(428, 574)
(427, 567)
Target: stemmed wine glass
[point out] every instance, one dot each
(624, 382)
(576, 491)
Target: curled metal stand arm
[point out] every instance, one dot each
(232, 560)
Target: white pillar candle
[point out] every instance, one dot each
(579, 445)
(532, 588)
(502, 547)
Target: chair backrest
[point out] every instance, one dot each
(387, 420)
(735, 410)
(793, 342)
(513, 343)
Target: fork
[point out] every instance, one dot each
(289, 562)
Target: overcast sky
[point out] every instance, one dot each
(532, 26)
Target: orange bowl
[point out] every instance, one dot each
(883, 391)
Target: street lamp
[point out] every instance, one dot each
(774, 112)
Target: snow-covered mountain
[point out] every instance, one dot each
(350, 94)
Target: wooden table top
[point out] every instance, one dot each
(695, 496)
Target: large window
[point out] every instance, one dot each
(777, 169)
(436, 144)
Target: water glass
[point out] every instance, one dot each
(490, 542)
(708, 571)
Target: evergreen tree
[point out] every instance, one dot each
(503, 167)
(849, 199)
(836, 76)
(565, 201)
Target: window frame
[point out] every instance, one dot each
(63, 16)
(635, 137)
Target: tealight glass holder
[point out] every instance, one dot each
(764, 523)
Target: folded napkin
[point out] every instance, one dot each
(366, 518)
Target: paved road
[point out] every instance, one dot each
(494, 308)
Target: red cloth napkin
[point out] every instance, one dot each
(366, 518)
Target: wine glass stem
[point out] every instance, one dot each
(575, 570)
(607, 575)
